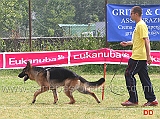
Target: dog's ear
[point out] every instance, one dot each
(29, 64)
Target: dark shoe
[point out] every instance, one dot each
(128, 103)
(154, 103)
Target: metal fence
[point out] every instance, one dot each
(53, 19)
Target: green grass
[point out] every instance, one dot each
(16, 97)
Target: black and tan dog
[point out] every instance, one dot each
(55, 77)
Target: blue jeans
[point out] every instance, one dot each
(140, 67)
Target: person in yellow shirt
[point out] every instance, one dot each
(137, 64)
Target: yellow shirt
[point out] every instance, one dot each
(139, 49)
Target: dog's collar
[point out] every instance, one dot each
(47, 68)
(48, 75)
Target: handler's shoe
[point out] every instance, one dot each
(128, 103)
(153, 103)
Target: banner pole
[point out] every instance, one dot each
(104, 75)
(105, 65)
(30, 26)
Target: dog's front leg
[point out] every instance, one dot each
(55, 95)
(43, 89)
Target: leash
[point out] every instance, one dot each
(110, 85)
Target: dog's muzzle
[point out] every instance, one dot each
(21, 75)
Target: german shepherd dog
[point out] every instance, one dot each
(55, 77)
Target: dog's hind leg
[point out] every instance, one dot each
(86, 91)
(68, 92)
(43, 89)
(69, 88)
(55, 95)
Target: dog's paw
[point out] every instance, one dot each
(33, 101)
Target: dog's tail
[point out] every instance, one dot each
(94, 84)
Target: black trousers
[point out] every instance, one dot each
(140, 67)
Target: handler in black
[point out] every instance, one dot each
(138, 62)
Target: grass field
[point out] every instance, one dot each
(16, 97)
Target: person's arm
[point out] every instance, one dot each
(124, 43)
(147, 45)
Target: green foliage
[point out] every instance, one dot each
(75, 43)
(2, 45)
(89, 11)
(86, 43)
(13, 14)
(134, 1)
(48, 14)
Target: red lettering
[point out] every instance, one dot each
(150, 112)
(147, 112)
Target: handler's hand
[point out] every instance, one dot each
(149, 60)
(123, 43)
